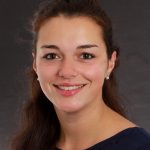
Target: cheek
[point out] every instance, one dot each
(46, 72)
(95, 73)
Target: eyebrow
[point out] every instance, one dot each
(50, 47)
(86, 46)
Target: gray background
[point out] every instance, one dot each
(131, 20)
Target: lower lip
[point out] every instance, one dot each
(68, 92)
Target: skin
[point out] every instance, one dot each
(71, 51)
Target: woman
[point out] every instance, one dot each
(74, 95)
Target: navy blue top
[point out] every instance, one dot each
(134, 138)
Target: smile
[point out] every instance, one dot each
(69, 90)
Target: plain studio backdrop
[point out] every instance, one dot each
(131, 23)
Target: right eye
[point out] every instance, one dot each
(51, 56)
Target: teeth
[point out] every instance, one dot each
(69, 87)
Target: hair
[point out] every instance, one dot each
(40, 128)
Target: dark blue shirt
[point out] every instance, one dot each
(135, 138)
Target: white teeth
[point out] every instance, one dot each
(69, 87)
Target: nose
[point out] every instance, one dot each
(67, 69)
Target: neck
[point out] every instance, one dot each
(85, 125)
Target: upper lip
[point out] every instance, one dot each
(69, 84)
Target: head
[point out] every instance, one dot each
(70, 18)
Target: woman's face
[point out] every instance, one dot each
(71, 62)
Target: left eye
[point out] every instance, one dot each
(87, 56)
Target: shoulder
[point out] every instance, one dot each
(142, 137)
(134, 138)
(145, 146)
(141, 134)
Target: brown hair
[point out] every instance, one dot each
(40, 126)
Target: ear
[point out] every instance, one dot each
(34, 62)
(111, 63)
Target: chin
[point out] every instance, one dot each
(69, 108)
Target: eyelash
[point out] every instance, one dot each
(52, 56)
(87, 56)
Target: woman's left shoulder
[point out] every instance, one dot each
(145, 146)
(142, 134)
(139, 138)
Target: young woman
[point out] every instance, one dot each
(74, 102)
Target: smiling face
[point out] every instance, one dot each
(71, 62)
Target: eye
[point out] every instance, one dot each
(51, 56)
(87, 56)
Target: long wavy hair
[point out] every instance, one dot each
(40, 127)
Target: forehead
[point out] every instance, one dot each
(71, 29)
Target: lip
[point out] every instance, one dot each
(67, 93)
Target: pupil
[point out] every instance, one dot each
(51, 56)
(86, 56)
